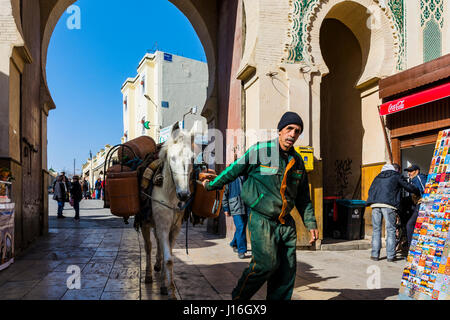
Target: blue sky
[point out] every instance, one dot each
(86, 68)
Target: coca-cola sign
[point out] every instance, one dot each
(417, 99)
(397, 106)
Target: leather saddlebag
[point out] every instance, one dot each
(207, 204)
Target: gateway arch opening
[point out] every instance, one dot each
(115, 78)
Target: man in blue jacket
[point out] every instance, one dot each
(233, 205)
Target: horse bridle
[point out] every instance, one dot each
(186, 203)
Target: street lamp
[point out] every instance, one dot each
(158, 126)
(193, 110)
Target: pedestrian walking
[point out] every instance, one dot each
(419, 180)
(98, 188)
(234, 206)
(60, 190)
(76, 196)
(102, 192)
(384, 199)
(276, 181)
(64, 179)
(85, 188)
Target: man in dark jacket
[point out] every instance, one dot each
(419, 180)
(60, 190)
(77, 196)
(98, 188)
(384, 198)
(276, 181)
(233, 205)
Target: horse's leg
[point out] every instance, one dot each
(172, 237)
(145, 229)
(157, 266)
(163, 233)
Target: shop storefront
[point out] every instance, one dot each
(416, 106)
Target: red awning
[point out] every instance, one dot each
(417, 99)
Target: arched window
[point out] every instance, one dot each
(432, 41)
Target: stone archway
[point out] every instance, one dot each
(201, 15)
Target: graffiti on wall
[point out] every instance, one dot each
(343, 170)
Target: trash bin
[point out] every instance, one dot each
(330, 217)
(351, 218)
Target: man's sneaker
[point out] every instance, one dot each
(241, 255)
(374, 258)
(235, 249)
(61, 217)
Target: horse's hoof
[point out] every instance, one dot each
(157, 268)
(148, 279)
(164, 291)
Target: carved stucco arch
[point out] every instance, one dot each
(380, 62)
(187, 7)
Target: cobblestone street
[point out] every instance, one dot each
(111, 259)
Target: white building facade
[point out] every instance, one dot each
(163, 92)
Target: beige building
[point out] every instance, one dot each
(163, 92)
(93, 168)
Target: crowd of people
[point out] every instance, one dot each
(65, 190)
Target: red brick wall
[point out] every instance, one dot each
(229, 93)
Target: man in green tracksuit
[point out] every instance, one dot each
(277, 181)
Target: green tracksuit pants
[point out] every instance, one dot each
(273, 259)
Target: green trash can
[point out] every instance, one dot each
(351, 218)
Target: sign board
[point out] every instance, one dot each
(168, 57)
(201, 139)
(6, 234)
(427, 272)
(164, 134)
(417, 99)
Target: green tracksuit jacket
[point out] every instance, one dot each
(271, 189)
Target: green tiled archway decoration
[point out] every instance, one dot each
(432, 42)
(432, 22)
(398, 13)
(301, 9)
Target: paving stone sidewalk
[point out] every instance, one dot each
(111, 260)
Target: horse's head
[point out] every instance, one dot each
(178, 154)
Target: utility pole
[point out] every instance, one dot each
(91, 173)
(73, 166)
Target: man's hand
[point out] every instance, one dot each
(204, 182)
(227, 213)
(314, 235)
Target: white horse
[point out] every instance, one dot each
(178, 157)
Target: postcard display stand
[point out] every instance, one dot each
(6, 226)
(427, 272)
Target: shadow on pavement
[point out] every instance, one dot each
(359, 294)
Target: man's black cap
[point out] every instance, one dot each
(414, 167)
(289, 118)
